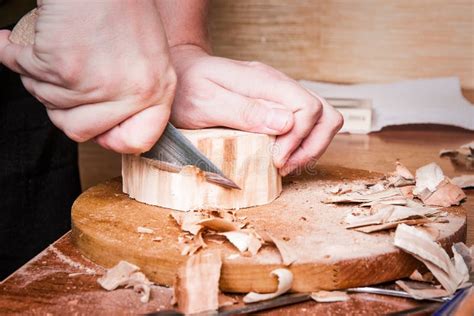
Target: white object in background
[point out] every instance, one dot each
(432, 101)
(357, 114)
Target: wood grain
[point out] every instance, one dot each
(245, 158)
(349, 41)
(105, 223)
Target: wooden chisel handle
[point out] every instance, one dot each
(24, 31)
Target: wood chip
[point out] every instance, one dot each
(196, 287)
(381, 227)
(144, 230)
(240, 240)
(188, 220)
(127, 275)
(422, 247)
(428, 177)
(421, 291)
(446, 194)
(403, 171)
(422, 277)
(218, 224)
(157, 238)
(329, 296)
(287, 253)
(359, 197)
(465, 181)
(285, 281)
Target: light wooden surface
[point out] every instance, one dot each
(350, 41)
(329, 256)
(245, 158)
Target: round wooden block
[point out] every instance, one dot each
(330, 257)
(245, 158)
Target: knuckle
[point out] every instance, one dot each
(249, 114)
(337, 121)
(314, 108)
(152, 87)
(69, 71)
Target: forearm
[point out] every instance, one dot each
(185, 22)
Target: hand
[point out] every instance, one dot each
(102, 70)
(253, 97)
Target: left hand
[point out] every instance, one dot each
(254, 97)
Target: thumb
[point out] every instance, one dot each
(248, 114)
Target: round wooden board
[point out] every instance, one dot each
(105, 221)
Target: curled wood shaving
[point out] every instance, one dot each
(144, 230)
(285, 281)
(329, 296)
(421, 291)
(422, 247)
(464, 181)
(403, 171)
(126, 274)
(240, 240)
(196, 287)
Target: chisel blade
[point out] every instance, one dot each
(173, 151)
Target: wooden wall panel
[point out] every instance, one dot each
(350, 40)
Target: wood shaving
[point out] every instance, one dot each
(421, 291)
(462, 158)
(127, 275)
(465, 181)
(144, 230)
(285, 281)
(423, 248)
(287, 254)
(446, 194)
(218, 224)
(240, 240)
(329, 296)
(381, 227)
(157, 239)
(360, 197)
(422, 277)
(225, 300)
(466, 253)
(196, 287)
(403, 171)
(427, 178)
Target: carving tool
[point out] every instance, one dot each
(172, 152)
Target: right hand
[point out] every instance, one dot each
(101, 68)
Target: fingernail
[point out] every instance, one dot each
(278, 119)
(285, 170)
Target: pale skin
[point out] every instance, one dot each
(116, 84)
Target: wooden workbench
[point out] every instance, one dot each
(60, 281)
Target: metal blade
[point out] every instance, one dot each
(173, 151)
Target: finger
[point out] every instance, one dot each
(87, 121)
(22, 59)
(138, 133)
(232, 110)
(317, 141)
(305, 119)
(49, 93)
(256, 81)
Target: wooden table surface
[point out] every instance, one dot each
(60, 281)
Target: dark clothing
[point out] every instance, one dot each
(12, 10)
(39, 177)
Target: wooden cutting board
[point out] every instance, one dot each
(105, 221)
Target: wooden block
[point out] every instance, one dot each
(246, 158)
